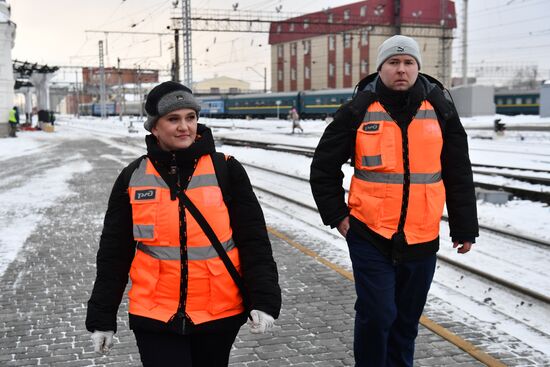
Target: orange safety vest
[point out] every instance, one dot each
(156, 268)
(376, 191)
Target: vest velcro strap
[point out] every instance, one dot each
(371, 160)
(397, 178)
(202, 180)
(144, 231)
(193, 253)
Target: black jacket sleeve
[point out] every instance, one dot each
(326, 174)
(258, 267)
(458, 179)
(114, 257)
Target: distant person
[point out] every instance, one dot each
(295, 118)
(13, 121)
(185, 225)
(410, 155)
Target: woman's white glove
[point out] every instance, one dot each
(261, 322)
(103, 341)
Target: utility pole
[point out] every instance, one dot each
(397, 15)
(465, 42)
(102, 81)
(176, 76)
(120, 96)
(187, 47)
(140, 94)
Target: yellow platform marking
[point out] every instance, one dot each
(424, 321)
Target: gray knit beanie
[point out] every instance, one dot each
(165, 98)
(398, 45)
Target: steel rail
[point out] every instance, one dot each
(499, 231)
(522, 290)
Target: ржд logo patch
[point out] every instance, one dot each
(145, 194)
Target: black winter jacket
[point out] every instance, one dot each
(117, 245)
(337, 145)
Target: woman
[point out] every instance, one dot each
(185, 241)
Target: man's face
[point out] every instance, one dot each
(399, 72)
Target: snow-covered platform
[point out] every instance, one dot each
(55, 189)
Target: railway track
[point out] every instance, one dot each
(539, 296)
(523, 193)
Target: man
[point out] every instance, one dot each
(295, 118)
(410, 155)
(13, 121)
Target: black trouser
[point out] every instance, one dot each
(195, 350)
(13, 129)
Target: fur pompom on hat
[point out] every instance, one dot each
(165, 98)
(398, 45)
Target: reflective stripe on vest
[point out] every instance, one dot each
(376, 191)
(156, 269)
(193, 253)
(397, 178)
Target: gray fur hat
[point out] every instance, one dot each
(165, 98)
(398, 45)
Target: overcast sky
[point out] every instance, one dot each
(503, 34)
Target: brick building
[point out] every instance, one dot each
(336, 47)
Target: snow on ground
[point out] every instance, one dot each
(517, 215)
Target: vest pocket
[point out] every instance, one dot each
(144, 214)
(144, 274)
(375, 147)
(224, 293)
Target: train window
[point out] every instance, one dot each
(500, 101)
(528, 100)
(318, 101)
(518, 100)
(306, 23)
(509, 101)
(330, 18)
(291, 28)
(363, 11)
(537, 101)
(346, 14)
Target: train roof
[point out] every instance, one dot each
(329, 91)
(264, 95)
(516, 92)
